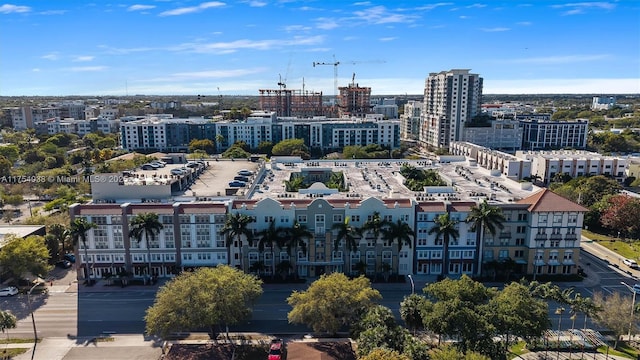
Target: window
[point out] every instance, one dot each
(522, 217)
(100, 238)
(573, 218)
(542, 218)
(118, 240)
(203, 235)
(302, 218)
(504, 254)
(337, 218)
(185, 234)
(355, 218)
(557, 218)
(519, 241)
(422, 254)
(169, 241)
(518, 253)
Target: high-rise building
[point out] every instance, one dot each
(451, 98)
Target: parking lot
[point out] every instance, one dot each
(214, 181)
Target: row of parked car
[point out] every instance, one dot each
(154, 165)
(241, 179)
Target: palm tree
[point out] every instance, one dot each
(236, 226)
(484, 217)
(375, 225)
(445, 227)
(78, 233)
(350, 234)
(295, 237)
(60, 233)
(147, 226)
(270, 237)
(399, 232)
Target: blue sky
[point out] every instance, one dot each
(232, 47)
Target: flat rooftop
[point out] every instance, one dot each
(382, 179)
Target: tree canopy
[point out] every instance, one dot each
(332, 302)
(207, 298)
(23, 256)
(291, 147)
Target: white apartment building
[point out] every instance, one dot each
(546, 164)
(512, 167)
(410, 120)
(503, 135)
(451, 98)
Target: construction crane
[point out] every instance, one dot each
(335, 72)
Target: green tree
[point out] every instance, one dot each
(295, 238)
(517, 314)
(147, 226)
(236, 226)
(349, 234)
(399, 232)
(410, 311)
(7, 321)
(60, 233)
(271, 237)
(384, 354)
(290, 147)
(332, 302)
(205, 145)
(10, 152)
(205, 298)
(374, 225)
(23, 256)
(484, 218)
(265, 147)
(449, 352)
(378, 329)
(446, 228)
(5, 165)
(78, 232)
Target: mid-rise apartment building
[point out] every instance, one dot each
(410, 120)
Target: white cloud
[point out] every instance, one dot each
(524, 23)
(476, 6)
(433, 6)
(582, 7)
(296, 28)
(35, 70)
(233, 46)
(326, 24)
(496, 29)
(51, 56)
(10, 8)
(257, 3)
(83, 58)
(192, 9)
(380, 15)
(53, 12)
(215, 74)
(139, 7)
(87, 68)
(390, 38)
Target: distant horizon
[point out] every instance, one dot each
(236, 47)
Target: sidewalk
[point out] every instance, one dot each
(614, 259)
(91, 348)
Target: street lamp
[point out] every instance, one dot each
(633, 303)
(33, 320)
(413, 285)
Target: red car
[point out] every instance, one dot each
(277, 350)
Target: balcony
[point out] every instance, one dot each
(541, 237)
(573, 237)
(556, 236)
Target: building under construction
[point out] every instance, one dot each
(296, 103)
(354, 100)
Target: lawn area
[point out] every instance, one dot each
(629, 249)
(517, 349)
(623, 350)
(16, 341)
(10, 353)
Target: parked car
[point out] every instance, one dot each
(177, 171)
(630, 263)
(237, 183)
(70, 258)
(241, 178)
(63, 264)
(245, 172)
(149, 166)
(9, 291)
(277, 350)
(636, 288)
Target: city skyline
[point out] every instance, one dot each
(158, 47)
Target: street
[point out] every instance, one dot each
(93, 311)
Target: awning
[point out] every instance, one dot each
(521, 261)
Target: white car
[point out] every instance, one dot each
(177, 171)
(245, 172)
(9, 291)
(630, 263)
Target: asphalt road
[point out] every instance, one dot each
(121, 311)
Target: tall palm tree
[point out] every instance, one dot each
(350, 234)
(60, 233)
(445, 227)
(484, 217)
(399, 232)
(78, 231)
(236, 226)
(295, 238)
(270, 237)
(147, 226)
(375, 225)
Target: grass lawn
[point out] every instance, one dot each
(628, 249)
(623, 350)
(10, 353)
(517, 349)
(16, 341)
